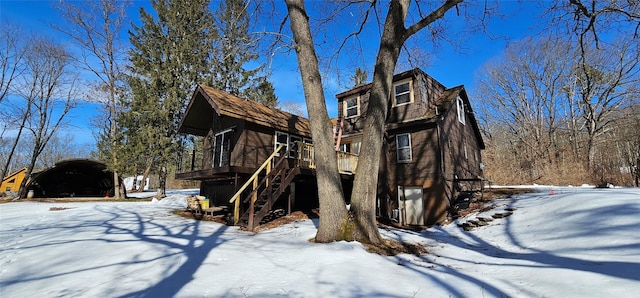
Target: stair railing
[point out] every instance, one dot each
(253, 180)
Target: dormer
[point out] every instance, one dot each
(403, 93)
(413, 94)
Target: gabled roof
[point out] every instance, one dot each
(432, 115)
(397, 77)
(450, 99)
(24, 169)
(198, 117)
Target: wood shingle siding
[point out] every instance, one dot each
(443, 151)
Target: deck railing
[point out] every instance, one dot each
(347, 162)
(253, 180)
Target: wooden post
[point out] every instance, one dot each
(193, 159)
(267, 174)
(292, 196)
(236, 212)
(254, 198)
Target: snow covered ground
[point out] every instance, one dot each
(579, 242)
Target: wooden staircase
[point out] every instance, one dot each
(272, 179)
(269, 182)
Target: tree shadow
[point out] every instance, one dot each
(551, 259)
(516, 253)
(170, 239)
(186, 241)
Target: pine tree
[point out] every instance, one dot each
(169, 57)
(359, 78)
(234, 48)
(264, 93)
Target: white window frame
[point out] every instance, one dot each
(466, 155)
(276, 143)
(356, 146)
(424, 92)
(218, 163)
(460, 108)
(293, 144)
(398, 148)
(395, 95)
(356, 107)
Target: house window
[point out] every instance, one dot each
(281, 138)
(403, 146)
(355, 147)
(466, 156)
(222, 148)
(402, 93)
(423, 91)
(345, 147)
(460, 106)
(352, 108)
(293, 146)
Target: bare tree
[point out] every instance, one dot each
(561, 107)
(607, 79)
(11, 64)
(11, 56)
(59, 147)
(333, 214)
(96, 26)
(522, 91)
(589, 19)
(48, 89)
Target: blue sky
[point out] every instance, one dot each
(450, 67)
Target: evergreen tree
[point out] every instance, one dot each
(169, 57)
(359, 77)
(234, 48)
(264, 93)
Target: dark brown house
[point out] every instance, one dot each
(256, 159)
(239, 165)
(431, 148)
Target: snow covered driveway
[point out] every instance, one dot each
(580, 242)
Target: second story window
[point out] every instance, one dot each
(222, 149)
(293, 146)
(351, 107)
(403, 147)
(460, 106)
(281, 138)
(401, 93)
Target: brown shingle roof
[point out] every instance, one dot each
(226, 104)
(396, 77)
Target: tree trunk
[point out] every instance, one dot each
(118, 191)
(162, 183)
(145, 174)
(363, 198)
(22, 192)
(333, 213)
(5, 169)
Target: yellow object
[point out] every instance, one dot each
(12, 182)
(204, 204)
